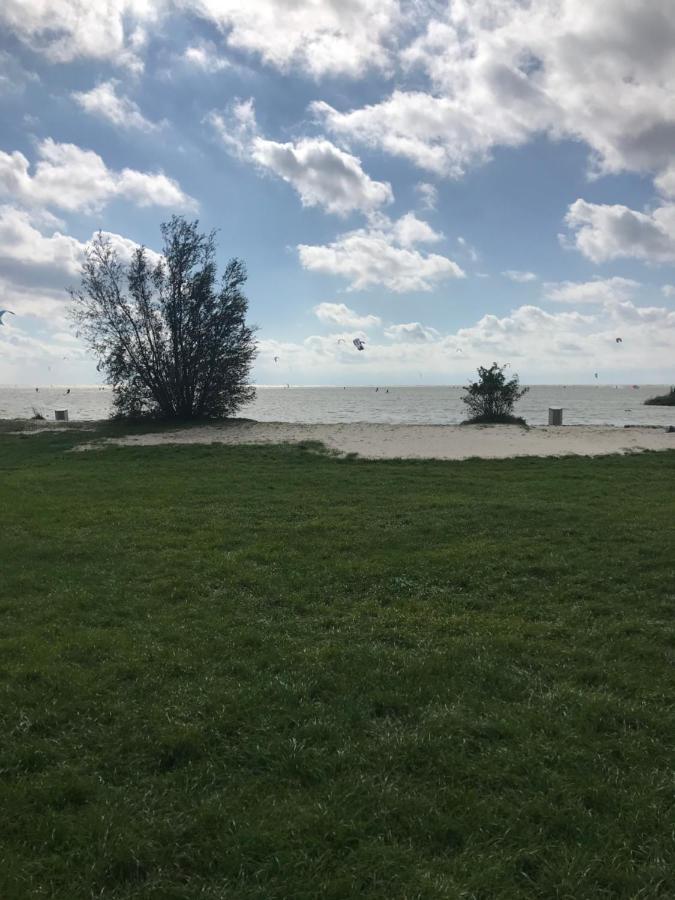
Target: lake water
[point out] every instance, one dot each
(582, 404)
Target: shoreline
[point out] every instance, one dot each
(449, 442)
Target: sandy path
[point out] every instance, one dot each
(377, 441)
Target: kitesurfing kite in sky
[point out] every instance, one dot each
(359, 344)
(2, 313)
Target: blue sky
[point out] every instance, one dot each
(455, 183)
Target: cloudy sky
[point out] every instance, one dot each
(453, 181)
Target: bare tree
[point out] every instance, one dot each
(171, 340)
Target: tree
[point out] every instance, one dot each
(492, 397)
(172, 341)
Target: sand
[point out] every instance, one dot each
(377, 441)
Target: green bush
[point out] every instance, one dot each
(491, 399)
(663, 400)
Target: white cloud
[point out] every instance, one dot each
(25, 354)
(515, 334)
(668, 290)
(68, 177)
(409, 230)
(324, 37)
(152, 189)
(411, 124)
(570, 340)
(205, 56)
(38, 264)
(520, 277)
(502, 71)
(323, 175)
(470, 251)
(236, 127)
(341, 314)
(412, 331)
(125, 248)
(428, 194)
(666, 181)
(321, 38)
(486, 73)
(23, 243)
(13, 76)
(603, 232)
(65, 30)
(104, 101)
(33, 301)
(375, 255)
(533, 340)
(600, 290)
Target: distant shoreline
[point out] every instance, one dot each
(418, 405)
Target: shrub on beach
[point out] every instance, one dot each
(663, 400)
(491, 399)
(496, 420)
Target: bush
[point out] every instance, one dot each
(663, 400)
(496, 420)
(491, 399)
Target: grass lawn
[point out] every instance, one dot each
(269, 673)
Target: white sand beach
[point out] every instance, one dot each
(378, 441)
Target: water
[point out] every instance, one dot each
(583, 404)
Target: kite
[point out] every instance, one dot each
(359, 344)
(619, 340)
(341, 340)
(2, 313)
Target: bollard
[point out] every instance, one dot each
(555, 415)
(61, 415)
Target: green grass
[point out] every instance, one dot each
(235, 672)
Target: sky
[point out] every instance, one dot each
(455, 182)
